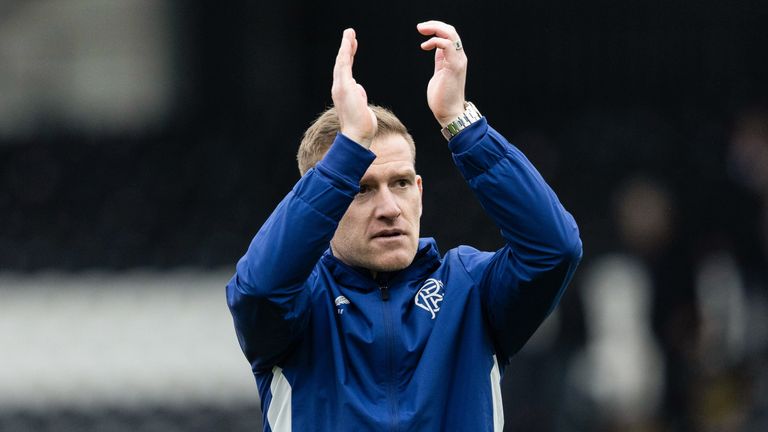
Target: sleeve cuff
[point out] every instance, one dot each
(478, 148)
(468, 137)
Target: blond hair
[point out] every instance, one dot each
(320, 135)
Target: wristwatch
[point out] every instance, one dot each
(469, 116)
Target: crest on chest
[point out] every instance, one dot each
(430, 296)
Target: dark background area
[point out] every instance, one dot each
(593, 93)
(597, 94)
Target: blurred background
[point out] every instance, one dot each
(143, 143)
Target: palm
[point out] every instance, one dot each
(445, 91)
(358, 117)
(442, 92)
(357, 120)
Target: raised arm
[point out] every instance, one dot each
(269, 294)
(522, 282)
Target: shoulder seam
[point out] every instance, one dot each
(464, 266)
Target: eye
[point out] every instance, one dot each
(403, 183)
(364, 189)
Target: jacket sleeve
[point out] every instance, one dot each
(269, 293)
(523, 281)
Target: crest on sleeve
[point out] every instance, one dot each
(430, 296)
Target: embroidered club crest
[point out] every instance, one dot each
(430, 296)
(340, 302)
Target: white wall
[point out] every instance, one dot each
(105, 339)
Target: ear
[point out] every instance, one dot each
(419, 183)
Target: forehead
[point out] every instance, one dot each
(392, 149)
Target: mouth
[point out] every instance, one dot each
(388, 234)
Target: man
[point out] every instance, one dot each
(378, 331)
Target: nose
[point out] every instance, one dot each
(387, 206)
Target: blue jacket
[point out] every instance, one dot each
(421, 349)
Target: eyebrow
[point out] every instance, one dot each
(395, 173)
(404, 172)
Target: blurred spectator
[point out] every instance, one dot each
(620, 374)
(621, 370)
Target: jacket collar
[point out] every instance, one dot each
(427, 260)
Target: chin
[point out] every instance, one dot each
(392, 262)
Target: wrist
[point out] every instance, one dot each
(446, 119)
(455, 125)
(362, 139)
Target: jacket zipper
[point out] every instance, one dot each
(389, 357)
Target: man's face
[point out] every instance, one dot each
(380, 230)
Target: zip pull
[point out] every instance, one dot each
(384, 290)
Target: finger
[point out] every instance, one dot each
(354, 51)
(342, 69)
(445, 51)
(342, 60)
(439, 29)
(437, 42)
(447, 47)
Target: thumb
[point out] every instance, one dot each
(439, 59)
(362, 92)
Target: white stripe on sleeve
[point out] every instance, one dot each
(279, 412)
(498, 406)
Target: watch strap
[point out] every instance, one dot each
(469, 116)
